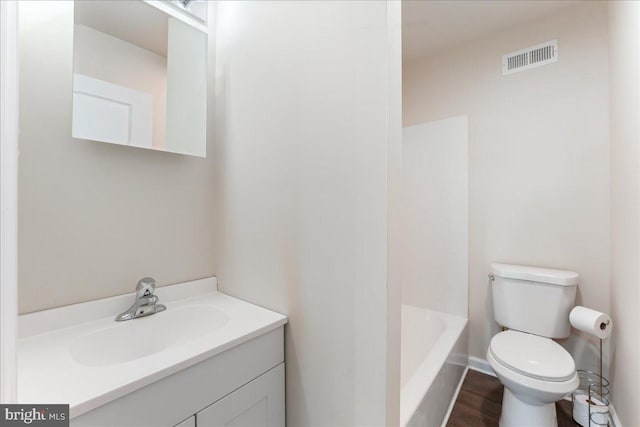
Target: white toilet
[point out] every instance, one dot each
(534, 304)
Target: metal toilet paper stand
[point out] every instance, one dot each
(594, 389)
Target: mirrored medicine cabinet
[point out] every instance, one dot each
(140, 75)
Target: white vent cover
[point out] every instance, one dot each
(531, 57)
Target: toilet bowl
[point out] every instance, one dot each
(536, 372)
(534, 304)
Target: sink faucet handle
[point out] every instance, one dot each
(145, 287)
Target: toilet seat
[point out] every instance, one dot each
(532, 356)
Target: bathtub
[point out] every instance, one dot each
(434, 356)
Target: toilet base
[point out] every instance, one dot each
(515, 412)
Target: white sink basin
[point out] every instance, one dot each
(137, 338)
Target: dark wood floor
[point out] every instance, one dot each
(480, 401)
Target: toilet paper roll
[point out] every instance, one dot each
(598, 411)
(591, 321)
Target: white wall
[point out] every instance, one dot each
(624, 56)
(96, 217)
(301, 188)
(436, 211)
(8, 199)
(395, 219)
(539, 182)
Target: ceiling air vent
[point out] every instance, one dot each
(531, 57)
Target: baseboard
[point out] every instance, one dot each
(455, 397)
(481, 365)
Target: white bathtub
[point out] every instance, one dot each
(434, 356)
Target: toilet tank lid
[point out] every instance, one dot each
(535, 274)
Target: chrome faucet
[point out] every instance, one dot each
(146, 302)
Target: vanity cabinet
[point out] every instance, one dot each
(243, 385)
(259, 403)
(208, 360)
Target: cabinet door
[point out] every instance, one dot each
(260, 403)
(189, 422)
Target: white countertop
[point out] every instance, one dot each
(50, 372)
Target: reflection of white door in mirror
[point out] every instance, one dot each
(108, 112)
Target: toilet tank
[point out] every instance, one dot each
(533, 300)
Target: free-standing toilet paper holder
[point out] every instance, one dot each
(590, 401)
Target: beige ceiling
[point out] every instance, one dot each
(431, 26)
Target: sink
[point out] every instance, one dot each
(126, 341)
(79, 354)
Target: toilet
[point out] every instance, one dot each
(533, 304)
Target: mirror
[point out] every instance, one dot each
(139, 77)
